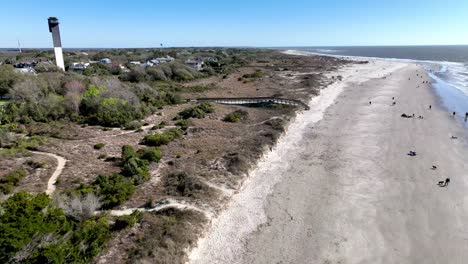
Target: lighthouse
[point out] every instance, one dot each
(54, 29)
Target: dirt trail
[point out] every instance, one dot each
(168, 203)
(61, 161)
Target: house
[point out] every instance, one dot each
(28, 64)
(165, 59)
(78, 66)
(157, 61)
(153, 62)
(210, 59)
(195, 64)
(105, 61)
(123, 68)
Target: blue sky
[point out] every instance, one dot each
(145, 23)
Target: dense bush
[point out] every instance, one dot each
(114, 189)
(183, 124)
(198, 111)
(46, 67)
(35, 164)
(100, 110)
(182, 184)
(136, 169)
(33, 230)
(136, 74)
(133, 125)
(163, 138)
(96, 69)
(151, 154)
(8, 78)
(128, 220)
(256, 74)
(11, 180)
(117, 188)
(99, 146)
(235, 116)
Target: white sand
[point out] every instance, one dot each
(232, 238)
(61, 161)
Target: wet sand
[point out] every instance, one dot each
(342, 189)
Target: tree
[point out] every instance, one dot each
(27, 90)
(8, 78)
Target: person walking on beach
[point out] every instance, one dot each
(466, 116)
(430, 106)
(447, 181)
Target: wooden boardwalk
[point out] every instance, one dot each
(254, 100)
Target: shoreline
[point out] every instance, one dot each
(247, 206)
(449, 98)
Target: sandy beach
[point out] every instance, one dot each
(339, 186)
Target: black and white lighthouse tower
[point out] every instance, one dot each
(54, 29)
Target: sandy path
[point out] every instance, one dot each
(168, 203)
(245, 213)
(61, 161)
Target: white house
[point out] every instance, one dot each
(78, 66)
(105, 61)
(165, 59)
(195, 64)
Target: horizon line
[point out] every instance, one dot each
(253, 46)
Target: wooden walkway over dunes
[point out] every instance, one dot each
(254, 100)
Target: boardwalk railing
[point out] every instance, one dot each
(254, 100)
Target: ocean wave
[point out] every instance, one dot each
(328, 50)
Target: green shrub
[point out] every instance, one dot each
(198, 111)
(11, 180)
(163, 138)
(133, 125)
(107, 111)
(127, 152)
(151, 154)
(183, 124)
(136, 169)
(35, 164)
(99, 146)
(128, 220)
(96, 69)
(8, 78)
(256, 74)
(235, 116)
(114, 189)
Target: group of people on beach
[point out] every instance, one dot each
(412, 153)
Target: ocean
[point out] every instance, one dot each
(446, 65)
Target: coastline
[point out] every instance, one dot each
(452, 98)
(245, 212)
(358, 198)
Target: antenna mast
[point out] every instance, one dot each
(19, 46)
